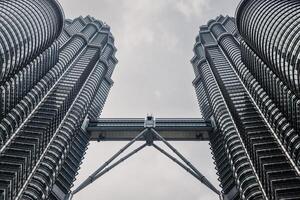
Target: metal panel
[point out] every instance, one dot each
(171, 129)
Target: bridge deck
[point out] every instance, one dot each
(170, 128)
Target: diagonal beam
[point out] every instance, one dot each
(178, 162)
(90, 179)
(202, 178)
(182, 165)
(149, 134)
(120, 161)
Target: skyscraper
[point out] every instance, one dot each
(250, 154)
(271, 53)
(55, 76)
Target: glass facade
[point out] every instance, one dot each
(272, 58)
(250, 155)
(53, 80)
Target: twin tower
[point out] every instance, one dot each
(55, 75)
(248, 83)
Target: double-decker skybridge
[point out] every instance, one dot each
(149, 130)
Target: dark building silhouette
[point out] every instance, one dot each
(251, 154)
(55, 75)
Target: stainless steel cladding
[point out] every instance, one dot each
(255, 158)
(53, 79)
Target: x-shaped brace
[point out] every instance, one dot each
(150, 135)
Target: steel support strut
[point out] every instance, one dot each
(92, 178)
(202, 178)
(149, 134)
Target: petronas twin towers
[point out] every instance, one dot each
(55, 76)
(247, 82)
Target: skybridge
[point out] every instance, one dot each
(172, 129)
(149, 130)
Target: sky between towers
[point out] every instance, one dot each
(154, 39)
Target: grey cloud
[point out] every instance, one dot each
(154, 40)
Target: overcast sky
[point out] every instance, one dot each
(154, 39)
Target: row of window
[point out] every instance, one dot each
(276, 119)
(253, 131)
(68, 129)
(99, 100)
(13, 90)
(257, 137)
(271, 28)
(216, 141)
(23, 109)
(27, 28)
(230, 86)
(39, 130)
(70, 167)
(285, 99)
(53, 112)
(228, 169)
(94, 104)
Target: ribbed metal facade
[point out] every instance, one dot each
(271, 54)
(270, 50)
(251, 159)
(28, 27)
(55, 76)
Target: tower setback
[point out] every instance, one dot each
(251, 153)
(271, 53)
(55, 76)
